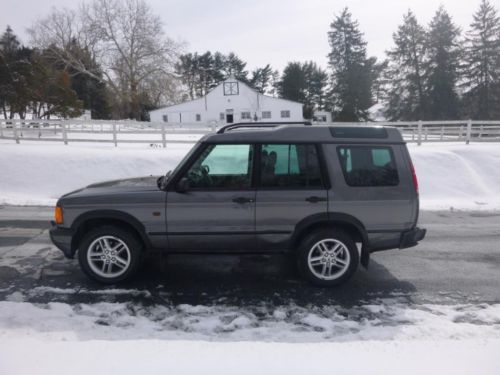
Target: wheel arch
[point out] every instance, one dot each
(93, 219)
(345, 222)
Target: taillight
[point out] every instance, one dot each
(58, 215)
(414, 176)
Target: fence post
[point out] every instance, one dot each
(65, 134)
(115, 141)
(442, 133)
(16, 135)
(460, 132)
(163, 136)
(419, 135)
(469, 132)
(426, 131)
(481, 128)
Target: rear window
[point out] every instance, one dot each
(368, 166)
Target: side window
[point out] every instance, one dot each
(266, 114)
(222, 167)
(368, 166)
(290, 166)
(285, 114)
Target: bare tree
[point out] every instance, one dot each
(124, 37)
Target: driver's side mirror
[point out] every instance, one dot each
(182, 185)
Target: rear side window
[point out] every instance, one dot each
(290, 166)
(368, 166)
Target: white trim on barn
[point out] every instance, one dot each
(229, 102)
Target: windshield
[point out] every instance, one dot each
(184, 159)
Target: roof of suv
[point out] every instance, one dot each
(303, 133)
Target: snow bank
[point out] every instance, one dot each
(458, 176)
(39, 173)
(454, 176)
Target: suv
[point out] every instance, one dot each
(330, 195)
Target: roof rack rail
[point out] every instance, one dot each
(259, 125)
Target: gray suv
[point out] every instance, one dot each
(329, 195)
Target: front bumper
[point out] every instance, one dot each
(411, 237)
(62, 238)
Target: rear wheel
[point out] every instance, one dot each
(328, 257)
(109, 254)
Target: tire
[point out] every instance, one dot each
(109, 254)
(330, 265)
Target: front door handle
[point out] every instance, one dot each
(242, 200)
(315, 199)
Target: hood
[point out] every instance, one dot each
(113, 190)
(137, 182)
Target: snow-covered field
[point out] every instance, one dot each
(454, 176)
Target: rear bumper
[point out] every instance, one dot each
(62, 238)
(411, 237)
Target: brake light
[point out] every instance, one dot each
(414, 176)
(58, 215)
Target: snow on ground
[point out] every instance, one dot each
(383, 319)
(451, 176)
(31, 356)
(382, 337)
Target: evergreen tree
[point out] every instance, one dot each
(317, 82)
(92, 91)
(201, 73)
(15, 75)
(406, 95)
(261, 79)
(292, 85)
(351, 72)
(482, 65)
(233, 66)
(442, 67)
(305, 83)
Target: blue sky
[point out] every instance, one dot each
(265, 31)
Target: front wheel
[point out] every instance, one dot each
(109, 254)
(328, 257)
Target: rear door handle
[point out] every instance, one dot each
(315, 199)
(242, 200)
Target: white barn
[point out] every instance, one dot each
(230, 102)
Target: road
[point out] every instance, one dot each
(459, 261)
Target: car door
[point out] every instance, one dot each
(217, 211)
(292, 188)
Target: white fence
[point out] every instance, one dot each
(160, 133)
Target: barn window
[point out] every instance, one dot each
(285, 114)
(246, 116)
(165, 118)
(266, 114)
(198, 117)
(231, 88)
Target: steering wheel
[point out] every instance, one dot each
(200, 176)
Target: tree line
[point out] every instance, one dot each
(433, 72)
(113, 57)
